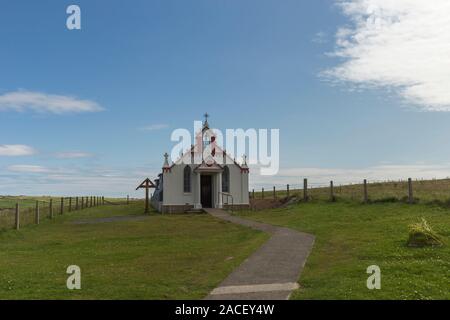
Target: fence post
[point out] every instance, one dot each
(82, 203)
(62, 206)
(287, 190)
(103, 200)
(90, 202)
(70, 204)
(50, 209)
(331, 191)
(366, 196)
(305, 189)
(37, 218)
(410, 191)
(274, 193)
(253, 194)
(17, 224)
(128, 199)
(262, 193)
(77, 205)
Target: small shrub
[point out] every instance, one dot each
(405, 199)
(440, 203)
(384, 200)
(421, 235)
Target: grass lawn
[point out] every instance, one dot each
(351, 236)
(162, 257)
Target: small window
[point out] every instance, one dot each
(226, 180)
(187, 179)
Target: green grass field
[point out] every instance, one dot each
(185, 256)
(351, 236)
(162, 257)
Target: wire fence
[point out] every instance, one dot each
(16, 212)
(408, 190)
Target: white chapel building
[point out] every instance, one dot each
(210, 179)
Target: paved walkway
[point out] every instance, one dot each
(272, 271)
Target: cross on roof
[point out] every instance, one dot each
(206, 115)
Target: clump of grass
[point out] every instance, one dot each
(421, 234)
(384, 200)
(405, 199)
(440, 203)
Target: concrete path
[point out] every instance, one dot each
(272, 271)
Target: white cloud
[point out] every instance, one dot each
(47, 103)
(154, 127)
(28, 168)
(75, 181)
(402, 45)
(12, 150)
(73, 155)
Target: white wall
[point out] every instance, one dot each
(174, 193)
(173, 187)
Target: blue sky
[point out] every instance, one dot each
(139, 69)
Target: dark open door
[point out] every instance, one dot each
(206, 191)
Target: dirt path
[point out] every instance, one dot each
(272, 271)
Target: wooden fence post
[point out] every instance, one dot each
(146, 200)
(253, 194)
(274, 193)
(37, 218)
(410, 191)
(90, 202)
(103, 200)
(17, 224)
(366, 196)
(62, 206)
(128, 199)
(77, 204)
(262, 193)
(70, 204)
(50, 208)
(82, 203)
(287, 190)
(331, 191)
(305, 189)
